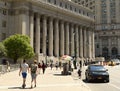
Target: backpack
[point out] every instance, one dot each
(33, 68)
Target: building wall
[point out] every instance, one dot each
(56, 28)
(107, 27)
(86, 3)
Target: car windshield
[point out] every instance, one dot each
(97, 68)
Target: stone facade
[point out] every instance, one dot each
(55, 27)
(86, 3)
(107, 34)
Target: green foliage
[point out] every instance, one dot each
(2, 50)
(18, 46)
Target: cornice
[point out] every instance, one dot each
(58, 11)
(61, 10)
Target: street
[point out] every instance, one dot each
(113, 85)
(52, 80)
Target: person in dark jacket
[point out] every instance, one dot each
(43, 67)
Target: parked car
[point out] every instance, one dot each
(111, 63)
(96, 72)
(116, 61)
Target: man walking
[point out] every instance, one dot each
(43, 67)
(34, 72)
(23, 69)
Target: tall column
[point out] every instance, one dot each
(100, 42)
(44, 34)
(81, 42)
(89, 44)
(31, 28)
(118, 47)
(77, 41)
(37, 35)
(85, 40)
(50, 40)
(56, 38)
(24, 20)
(72, 41)
(67, 38)
(109, 46)
(61, 38)
(93, 44)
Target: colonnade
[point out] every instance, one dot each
(56, 37)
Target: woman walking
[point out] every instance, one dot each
(34, 72)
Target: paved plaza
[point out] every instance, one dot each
(52, 80)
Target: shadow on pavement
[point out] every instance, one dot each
(19, 88)
(59, 75)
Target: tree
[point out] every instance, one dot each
(2, 50)
(18, 46)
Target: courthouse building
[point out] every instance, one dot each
(107, 26)
(55, 27)
(107, 34)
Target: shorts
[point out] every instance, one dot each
(24, 74)
(33, 75)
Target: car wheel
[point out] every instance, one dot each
(87, 79)
(106, 80)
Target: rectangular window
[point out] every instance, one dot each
(3, 36)
(60, 4)
(66, 6)
(79, 11)
(4, 12)
(4, 23)
(55, 2)
(48, 0)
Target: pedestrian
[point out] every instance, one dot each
(51, 65)
(34, 72)
(56, 65)
(79, 73)
(60, 64)
(80, 63)
(8, 66)
(39, 67)
(84, 63)
(23, 69)
(43, 67)
(69, 66)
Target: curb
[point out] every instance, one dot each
(85, 86)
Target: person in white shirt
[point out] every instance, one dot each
(23, 69)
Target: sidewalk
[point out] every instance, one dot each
(52, 80)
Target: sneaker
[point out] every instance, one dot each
(24, 85)
(31, 86)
